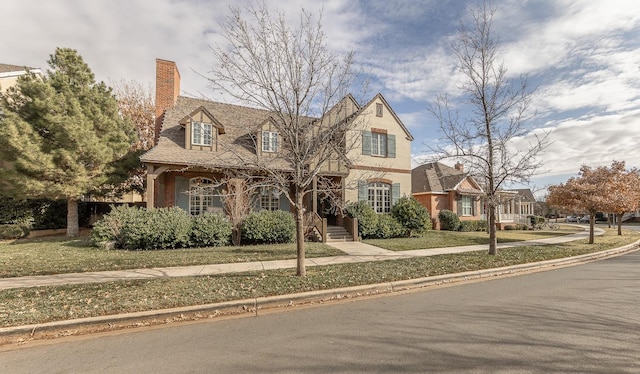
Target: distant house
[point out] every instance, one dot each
(197, 140)
(440, 187)
(9, 74)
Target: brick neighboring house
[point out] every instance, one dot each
(440, 187)
(197, 140)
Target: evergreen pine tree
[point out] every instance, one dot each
(62, 134)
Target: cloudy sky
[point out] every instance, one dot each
(582, 55)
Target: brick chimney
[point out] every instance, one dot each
(167, 90)
(459, 166)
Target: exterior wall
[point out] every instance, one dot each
(351, 182)
(366, 167)
(7, 81)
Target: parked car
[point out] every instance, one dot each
(584, 219)
(571, 219)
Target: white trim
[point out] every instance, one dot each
(19, 73)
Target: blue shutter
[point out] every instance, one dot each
(284, 203)
(363, 191)
(395, 193)
(366, 143)
(391, 146)
(182, 193)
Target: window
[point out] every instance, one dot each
(378, 110)
(201, 133)
(467, 205)
(201, 195)
(269, 141)
(378, 144)
(269, 199)
(380, 197)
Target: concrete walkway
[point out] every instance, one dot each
(355, 252)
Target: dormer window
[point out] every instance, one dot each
(201, 133)
(269, 141)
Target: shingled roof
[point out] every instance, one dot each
(436, 177)
(235, 143)
(8, 68)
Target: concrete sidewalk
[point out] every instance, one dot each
(355, 252)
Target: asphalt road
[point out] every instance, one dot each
(581, 319)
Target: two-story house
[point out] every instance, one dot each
(199, 140)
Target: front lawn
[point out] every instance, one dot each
(56, 255)
(44, 304)
(437, 239)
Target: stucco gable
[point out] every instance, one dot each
(384, 102)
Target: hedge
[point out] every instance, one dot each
(269, 227)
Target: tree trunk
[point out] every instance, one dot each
(493, 242)
(301, 270)
(72, 216)
(236, 235)
(592, 221)
(619, 216)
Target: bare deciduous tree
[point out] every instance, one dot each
(498, 112)
(291, 73)
(136, 103)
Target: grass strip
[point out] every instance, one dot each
(437, 239)
(45, 304)
(60, 255)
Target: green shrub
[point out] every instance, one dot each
(510, 227)
(269, 227)
(168, 228)
(210, 229)
(140, 229)
(367, 218)
(111, 227)
(412, 215)
(13, 231)
(448, 220)
(389, 227)
(473, 225)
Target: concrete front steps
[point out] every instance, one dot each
(338, 234)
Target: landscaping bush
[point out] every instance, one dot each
(389, 227)
(411, 215)
(211, 229)
(367, 218)
(140, 229)
(269, 227)
(473, 225)
(169, 228)
(448, 220)
(13, 231)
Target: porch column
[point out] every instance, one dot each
(151, 188)
(314, 195)
(152, 175)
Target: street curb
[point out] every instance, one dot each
(252, 307)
